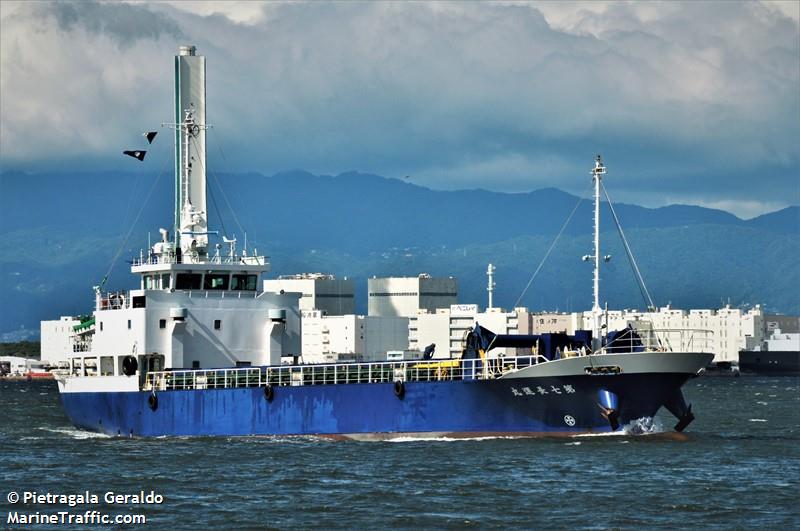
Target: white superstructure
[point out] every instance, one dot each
(56, 340)
(194, 307)
(778, 341)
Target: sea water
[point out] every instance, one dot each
(737, 466)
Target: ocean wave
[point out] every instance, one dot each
(618, 433)
(641, 426)
(409, 438)
(75, 433)
(644, 426)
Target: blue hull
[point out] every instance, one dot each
(505, 406)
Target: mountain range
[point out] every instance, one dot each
(63, 231)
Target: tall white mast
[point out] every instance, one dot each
(191, 218)
(490, 288)
(597, 172)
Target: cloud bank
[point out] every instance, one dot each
(693, 102)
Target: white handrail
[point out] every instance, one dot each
(347, 373)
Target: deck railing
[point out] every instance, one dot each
(342, 373)
(214, 259)
(664, 339)
(117, 300)
(404, 371)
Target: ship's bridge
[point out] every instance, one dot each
(238, 273)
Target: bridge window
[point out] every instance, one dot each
(216, 281)
(165, 281)
(188, 281)
(162, 323)
(217, 324)
(244, 282)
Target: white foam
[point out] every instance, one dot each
(618, 433)
(757, 420)
(406, 439)
(576, 443)
(77, 434)
(282, 439)
(642, 426)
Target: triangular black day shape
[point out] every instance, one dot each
(139, 155)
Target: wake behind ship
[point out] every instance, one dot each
(198, 348)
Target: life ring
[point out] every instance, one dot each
(129, 365)
(399, 389)
(152, 401)
(269, 393)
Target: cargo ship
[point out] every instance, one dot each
(778, 355)
(199, 349)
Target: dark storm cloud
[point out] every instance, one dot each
(125, 23)
(687, 101)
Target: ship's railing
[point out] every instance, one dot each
(664, 339)
(220, 294)
(216, 259)
(117, 300)
(342, 373)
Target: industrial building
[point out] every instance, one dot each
(331, 338)
(725, 331)
(405, 296)
(321, 292)
(447, 327)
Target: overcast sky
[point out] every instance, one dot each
(688, 102)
